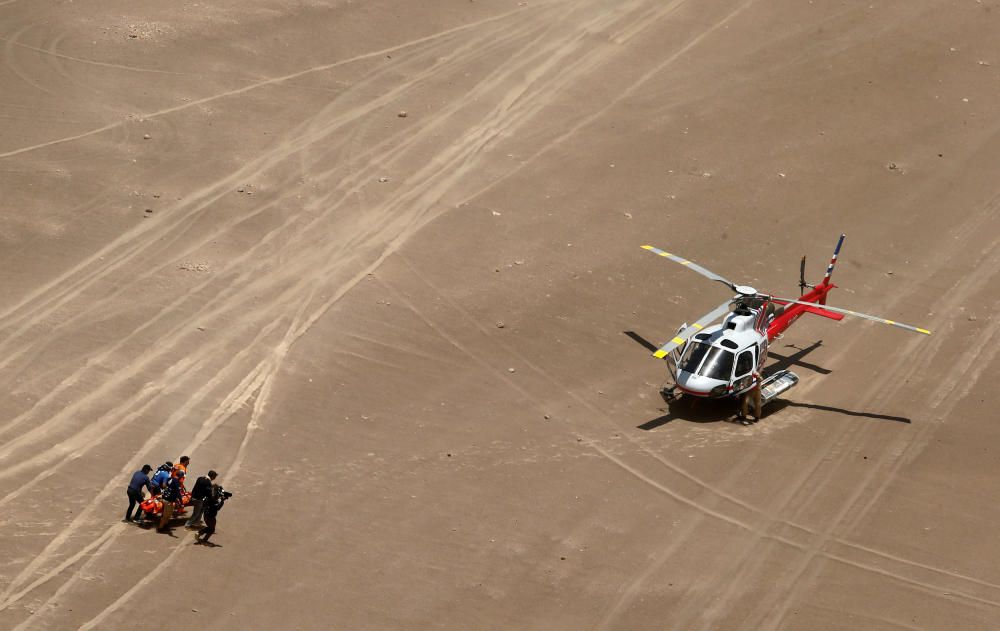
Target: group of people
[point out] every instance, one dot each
(168, 494)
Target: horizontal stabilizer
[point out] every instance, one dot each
(820, 311)
(811, 306)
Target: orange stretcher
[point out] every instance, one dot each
(154, 505)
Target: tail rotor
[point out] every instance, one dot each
(802, 277)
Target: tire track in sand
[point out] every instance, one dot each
(79, 287)
(95, 429)
(273, 81)
(383, 153)
(749, 560)
(52, 51)
(398, 240)
(236, 397)
(39, 431)
(499, 349)
(806, 573)
(10, 62)
(255, 386)
(202, 198)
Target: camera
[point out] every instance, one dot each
(225, 494)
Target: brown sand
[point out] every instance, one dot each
(310, 306)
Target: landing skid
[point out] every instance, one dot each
(778, 383)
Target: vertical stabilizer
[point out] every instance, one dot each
(833, 261)
(829, 268)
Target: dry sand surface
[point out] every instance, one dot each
(222, 237)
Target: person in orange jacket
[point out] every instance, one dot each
(182, 465)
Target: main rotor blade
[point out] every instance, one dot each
(687, 333)
(694, 266)
(854, 313)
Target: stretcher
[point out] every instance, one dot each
(154, 505)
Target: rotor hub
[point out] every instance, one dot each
(746, 290)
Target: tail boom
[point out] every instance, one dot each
(793, 311)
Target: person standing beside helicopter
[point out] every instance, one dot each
(754, 394)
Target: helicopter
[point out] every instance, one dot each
(718, 361)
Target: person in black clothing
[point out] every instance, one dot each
(213, 504)
(171, 494)
(139, 479)
(201, 490)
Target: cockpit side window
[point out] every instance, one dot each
(744, 363)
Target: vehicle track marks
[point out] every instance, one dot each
(275, 80)
(90, 62)
(75, 440)
(542, 405)
(137, 241)
(10, 60)
(772, 610)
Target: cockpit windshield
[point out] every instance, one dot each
(702, 359)
(693, 354)
(718, 365)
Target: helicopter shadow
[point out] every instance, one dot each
(795, 359)
(641, 341)
(704, 411)
(780, 404)
(692, 410)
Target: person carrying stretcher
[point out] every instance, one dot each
(170, 497)
(161, 476)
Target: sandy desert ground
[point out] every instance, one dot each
(220, 237)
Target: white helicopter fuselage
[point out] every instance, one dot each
(720, 360)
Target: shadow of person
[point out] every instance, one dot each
(207, 544)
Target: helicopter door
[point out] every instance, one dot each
(744, 370)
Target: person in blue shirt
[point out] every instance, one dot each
(161, 476)
(139, 480)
